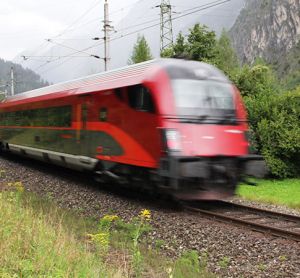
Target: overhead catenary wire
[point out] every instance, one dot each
(67, 56)
(44, 44)
(102, 18)
(95, 3)
(183, 14)
(151, 20)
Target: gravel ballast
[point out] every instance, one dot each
(228, 250)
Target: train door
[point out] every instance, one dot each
(140, 122)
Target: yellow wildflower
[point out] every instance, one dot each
(19, 186)
(110, 218)
(145, 214)
(102, 238)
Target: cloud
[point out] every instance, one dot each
(22, 29)
(26, 24)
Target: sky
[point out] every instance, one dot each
(25, 24)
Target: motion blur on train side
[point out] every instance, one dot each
(166, 125)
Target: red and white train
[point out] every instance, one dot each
(172, 124)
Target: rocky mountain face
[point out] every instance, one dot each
(269, 29)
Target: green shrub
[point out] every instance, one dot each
(279, 134)
(274, 119)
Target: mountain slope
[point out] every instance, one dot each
(269, 29)
(25, 79)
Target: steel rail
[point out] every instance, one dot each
(270, 213)
(278, 232)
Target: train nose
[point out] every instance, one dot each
(207, 140)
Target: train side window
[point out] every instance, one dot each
(51, 116)
(103, 114)
(139, 98)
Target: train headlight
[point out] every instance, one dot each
(172, 140)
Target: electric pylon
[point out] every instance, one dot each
(166, 29)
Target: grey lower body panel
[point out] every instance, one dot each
(76, 162)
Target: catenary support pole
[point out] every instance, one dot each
(12, 79)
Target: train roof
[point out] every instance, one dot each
(126, 76)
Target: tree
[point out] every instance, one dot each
(178, 50)
(141, 51)
(201, 43)
(226, 58)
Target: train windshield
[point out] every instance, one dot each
(204, 100)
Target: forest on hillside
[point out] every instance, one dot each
(24, 79)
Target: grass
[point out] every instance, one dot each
(35, 244)
(38, 239)
(281, 192)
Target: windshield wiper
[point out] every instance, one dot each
(202, 117)
(231, 119)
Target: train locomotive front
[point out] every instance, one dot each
(204, 132)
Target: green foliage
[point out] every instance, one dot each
(35, 244)
(159, 243)
(292, 80)
(167, 53)
(38, 239)
(226, 58)
(255, 80)
(288, 68)
(128, 230)
(180, 46)
(141, 51)
(188, 265)
(199, 45)
(178, 50)
(279, 133)
(273, 117)
(224, 262)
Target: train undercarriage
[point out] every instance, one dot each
(185, 178)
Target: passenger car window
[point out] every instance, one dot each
(139, 98)
(103, 114)
(50, 116)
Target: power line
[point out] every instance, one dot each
(67, 56)
(69, 47)
(50, 56)
(66, 30)
(148, 21)
(44, 44)
(95, 3)
(194, 10)
(174, 18)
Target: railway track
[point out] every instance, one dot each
(265, 221)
